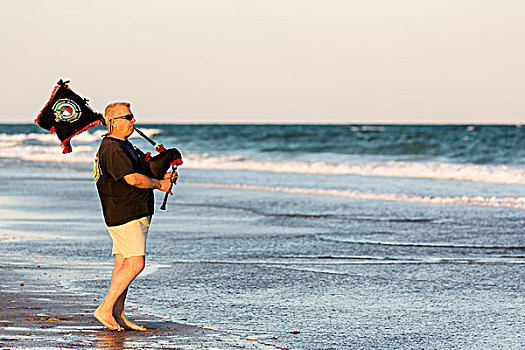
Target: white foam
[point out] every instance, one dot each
(49, 151)
(503, 202)
(152, 268)
(418, 244)
(16, 236)
(97, 135)
(16, 139)
(88, 136)
(45, 154)
(430, 170)
(12, 146)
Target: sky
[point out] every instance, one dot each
(270, 61)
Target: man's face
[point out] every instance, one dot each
(123, 126)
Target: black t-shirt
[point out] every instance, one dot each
(121, 202)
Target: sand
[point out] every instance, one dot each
(36, 313)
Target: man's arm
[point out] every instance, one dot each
(142, 181)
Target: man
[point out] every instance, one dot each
(126, 195)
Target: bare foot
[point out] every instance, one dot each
(107, 320)
(127, 324)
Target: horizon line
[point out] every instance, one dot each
(518, 124)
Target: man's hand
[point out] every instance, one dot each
(165, 186)
(169, 174)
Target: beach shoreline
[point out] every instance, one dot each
(37, 311)
(266, 239)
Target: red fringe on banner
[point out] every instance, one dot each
(48, 102)
(66, 146)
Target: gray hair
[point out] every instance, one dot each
(112, 111)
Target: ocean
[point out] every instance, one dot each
(301, 236)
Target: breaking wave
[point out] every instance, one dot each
(429, 170)
(40, 147)
(498, 202)
(48, 138)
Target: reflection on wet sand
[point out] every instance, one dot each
(111, 340)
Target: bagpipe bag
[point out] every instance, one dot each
(159, 164)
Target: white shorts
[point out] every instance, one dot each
(129, 239)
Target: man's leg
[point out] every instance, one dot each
(120, 317)
(124, 272)
(118, 309)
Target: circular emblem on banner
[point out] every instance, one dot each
(66, 110)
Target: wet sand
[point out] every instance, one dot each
(37, 313)
(345, 274)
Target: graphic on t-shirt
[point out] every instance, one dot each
(96, 169)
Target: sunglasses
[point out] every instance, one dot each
(127, 117)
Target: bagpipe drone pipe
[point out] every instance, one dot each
(67, 114)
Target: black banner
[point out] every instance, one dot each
(67, 114)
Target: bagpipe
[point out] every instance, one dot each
(66, 114)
